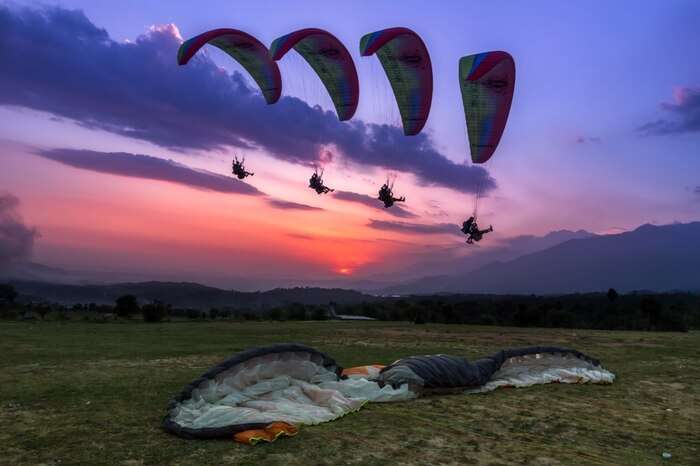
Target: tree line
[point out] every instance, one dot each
(612, 311)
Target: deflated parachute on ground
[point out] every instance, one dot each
(265, 392)
(330, 60)
(406, 61)
(519, 367)
(246, 50)
(487, 81)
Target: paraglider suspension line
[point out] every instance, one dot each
(477, 196)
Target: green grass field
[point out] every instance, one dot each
(92, 394)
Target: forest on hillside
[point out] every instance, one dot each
(612, 311)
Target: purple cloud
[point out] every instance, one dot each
(16, 238)
(154, 168)
(369, 201)
(55, 60)
(684, 114)
(287, 205)
(420, 228)
(148, 167)
(435, 210)
(587, 139)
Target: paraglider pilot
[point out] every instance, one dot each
(316, 183)
(471, 229)
(238, 169)
(387, 196)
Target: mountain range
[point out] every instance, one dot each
(652, 258)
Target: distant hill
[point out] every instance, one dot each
(511, 249)
(34, 272)
(184, 295)
(654, 258)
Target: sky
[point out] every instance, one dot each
(115, 161)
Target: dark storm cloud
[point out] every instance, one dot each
(16, 238)
(147, 167)
(55, 60)
(683, 114)
(287, 205)
(369, 201)
(406, 227)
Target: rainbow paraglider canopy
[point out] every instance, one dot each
(330, 60)
(407, 65)
(246, 50)
(487, 81)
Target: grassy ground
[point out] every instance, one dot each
(83, 393)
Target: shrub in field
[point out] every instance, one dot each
(651, 309)
(527, 317)
(126, 306)
(487, 319)
(155, 311)
(674, 319)
(42, 309)
(8, 294)
(562, 319)
(319, 313)
(296, 311)
(274, 314)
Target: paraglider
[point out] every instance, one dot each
(471, 229)
(316, 183)
(487, 81)
(386, 195)
(238, 169)
(407, 65)
(246, 50)
(330, 60)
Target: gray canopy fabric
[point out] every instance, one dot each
(444, 372)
